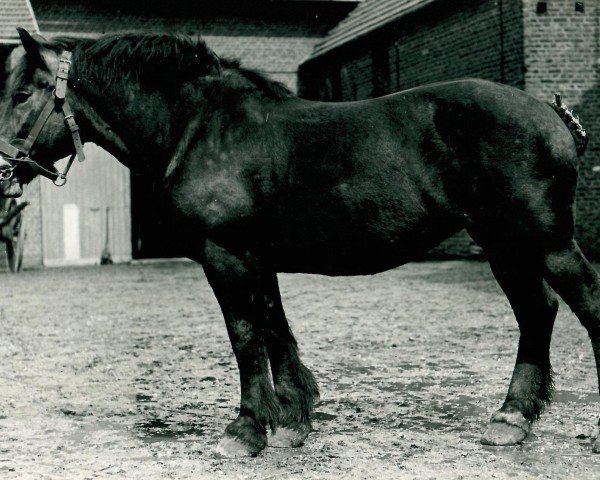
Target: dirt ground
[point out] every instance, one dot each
(126, 372)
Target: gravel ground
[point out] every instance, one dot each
(126, 372)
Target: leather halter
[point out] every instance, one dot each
(19, 155)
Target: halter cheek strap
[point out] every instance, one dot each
(20, 155)
(60, 93)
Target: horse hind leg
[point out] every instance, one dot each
(573, 278)
(295, 385)
(535, 306)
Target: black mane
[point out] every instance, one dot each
(156, 59)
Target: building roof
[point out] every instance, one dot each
(366, 17)
(13, 14)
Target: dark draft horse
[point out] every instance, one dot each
(260, 181)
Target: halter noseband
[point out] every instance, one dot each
(20, 155)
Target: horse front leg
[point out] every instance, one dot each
(235, 280)
(295, 385)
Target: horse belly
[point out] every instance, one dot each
(333, 244)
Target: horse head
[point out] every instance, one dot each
(130, 93)
(33, 131)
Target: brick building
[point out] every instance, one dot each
(70, 224)
(384, 46)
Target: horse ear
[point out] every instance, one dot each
(38, 38)
(31, 46)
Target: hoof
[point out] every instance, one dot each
(243, 438)
(231, 447)
(292, 435)
(506, 429)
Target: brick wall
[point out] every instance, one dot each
(562, 54)
(443, 41)
(449, 41)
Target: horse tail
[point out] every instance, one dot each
(572, 122)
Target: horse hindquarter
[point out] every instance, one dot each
(523, 171)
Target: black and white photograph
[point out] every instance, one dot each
(299, 239)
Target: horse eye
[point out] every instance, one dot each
(21, 97)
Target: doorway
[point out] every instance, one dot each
(151, 229)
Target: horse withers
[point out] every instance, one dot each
(260, 181)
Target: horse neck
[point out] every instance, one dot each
(101, 133)
(142, 129)
(132, 125)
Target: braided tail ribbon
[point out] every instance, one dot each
(572, 122)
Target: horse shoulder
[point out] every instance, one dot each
(217, 180)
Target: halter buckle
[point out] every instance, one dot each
(60, 181)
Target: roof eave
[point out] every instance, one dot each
(317, 53)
